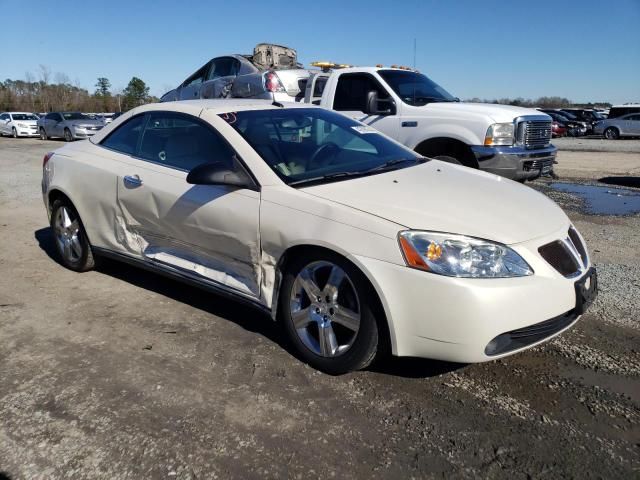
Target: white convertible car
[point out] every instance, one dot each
(352, 241)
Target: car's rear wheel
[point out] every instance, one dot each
(68, 137)
(326, 307)
(71, 241)
(611, 133)
(43, 134)
(14, 132)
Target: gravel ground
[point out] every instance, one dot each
(118, 373)
(597, 144)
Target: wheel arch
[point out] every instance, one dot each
(387, 343)
(57, 193)
(447, 146)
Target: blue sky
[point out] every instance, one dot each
(586, 50)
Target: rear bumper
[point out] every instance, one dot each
(516, 163)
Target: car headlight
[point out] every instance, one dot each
(79, 126)
(22, 125)
(460, 256)
(499, 134)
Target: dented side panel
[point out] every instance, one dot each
(206, 231)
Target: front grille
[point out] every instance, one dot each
(534, 133)
(557, 254)
(522, 337)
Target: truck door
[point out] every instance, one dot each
(350, 98)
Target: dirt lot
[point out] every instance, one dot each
(119, 373)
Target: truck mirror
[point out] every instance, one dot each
(373, 105)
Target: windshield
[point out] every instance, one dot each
(75, 116)
(24, 116)
(309, 145)
(414, 88)
(568, 115)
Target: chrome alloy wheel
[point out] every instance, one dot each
(325, 309)
(67, 235)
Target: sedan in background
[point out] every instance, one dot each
(558, 129)
(614, 128)
(355, 243)
(68, 125)
(19, 124)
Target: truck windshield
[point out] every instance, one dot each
(414, 88)
(310, 145)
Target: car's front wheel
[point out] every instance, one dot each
(71, 241)
(611, 133)
(327, 309)
(14, 132)
(43, 134)
(68, 137)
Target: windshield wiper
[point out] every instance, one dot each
(393, 164)
(389, 165)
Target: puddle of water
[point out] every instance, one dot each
(603, 200)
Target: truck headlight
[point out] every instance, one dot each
(460, 256)
(499, 134)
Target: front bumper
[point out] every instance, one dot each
(27, 132)
(515, 162)
(457, 319)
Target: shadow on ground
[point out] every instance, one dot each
(243, 315)
(621, 181)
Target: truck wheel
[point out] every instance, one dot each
(611, 133)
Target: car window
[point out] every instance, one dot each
(124, 139)
(183, 142)
(75, 116)
(197, 78)
(318, 88)
(352, 90)
(300, 144)
(223, 67)
(4, 116)
(24, 116)
(415, 88)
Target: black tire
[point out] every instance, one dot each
(448, 159)
(14, 132)
(81, 259)
(364, 346)
(68, 137)
(43, 134)
(611, 133)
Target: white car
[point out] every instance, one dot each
(19, 124)
(353, 241)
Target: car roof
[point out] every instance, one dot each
(222, 105)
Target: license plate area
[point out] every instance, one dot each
(586, 290)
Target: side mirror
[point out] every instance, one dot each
(217, 173)
(373, 105)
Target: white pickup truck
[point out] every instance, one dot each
(509, 141)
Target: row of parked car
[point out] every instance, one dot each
(618, 121)
(68, 125)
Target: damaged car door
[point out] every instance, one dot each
(209, 232)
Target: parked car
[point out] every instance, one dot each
(271, 72)
(614, 128)
(587, 115)
(68, 125)
(558, 129)
(574, 127)
(325, 225)
(19, 124)
(620, 110)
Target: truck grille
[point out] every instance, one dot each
(534, 133)
(568, 256)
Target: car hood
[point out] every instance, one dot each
(448, 198)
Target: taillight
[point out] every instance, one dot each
(46, 158)
(272, 83)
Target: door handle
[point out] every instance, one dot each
(132, 181)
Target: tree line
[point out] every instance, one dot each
(45, 95)
(542, 102)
